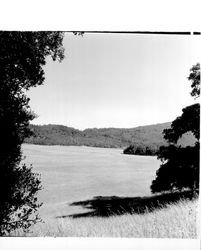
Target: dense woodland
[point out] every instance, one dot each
(144, 140)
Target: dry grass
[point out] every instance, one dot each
(175, 221)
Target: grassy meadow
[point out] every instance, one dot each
(99, 192)
(174, 221)
(72, 174)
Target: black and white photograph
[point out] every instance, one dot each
(100, 134)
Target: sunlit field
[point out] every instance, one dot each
(100, 192)
(72, 174)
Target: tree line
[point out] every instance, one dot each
(149, 136)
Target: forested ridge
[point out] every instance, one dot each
(149, 136)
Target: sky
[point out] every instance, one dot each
(117, 80)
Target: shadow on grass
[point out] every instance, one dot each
(105, 206)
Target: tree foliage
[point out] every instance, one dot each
(180, 165)
(22, 57)
(194, 77)
(188, 121)
(141, 149)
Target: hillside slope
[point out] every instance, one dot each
(150, 136)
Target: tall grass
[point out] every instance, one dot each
(177, 220)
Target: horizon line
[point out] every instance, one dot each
(56, 124)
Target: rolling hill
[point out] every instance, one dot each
(143, 136)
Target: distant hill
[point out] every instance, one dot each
(143, 136)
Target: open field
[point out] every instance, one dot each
(98, 192)
(72, 174)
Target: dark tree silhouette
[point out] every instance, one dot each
(141, 150)
(194, 77)
(180, 166)
(22, 56)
